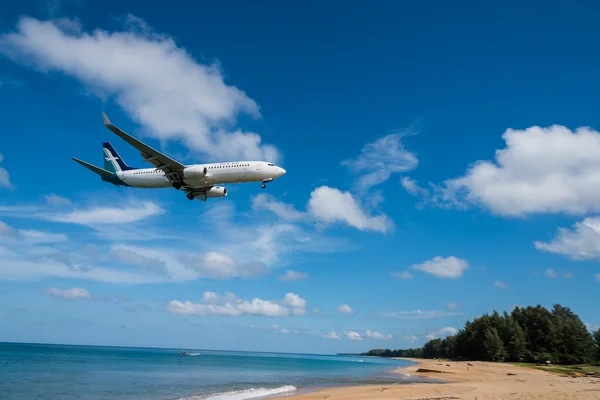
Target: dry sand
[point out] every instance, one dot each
(470, 381)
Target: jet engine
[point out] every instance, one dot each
(196, 172)
(216, 191)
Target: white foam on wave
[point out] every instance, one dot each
(244, 394)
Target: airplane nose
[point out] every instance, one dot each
(281, 171)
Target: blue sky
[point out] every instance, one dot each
(442, 161)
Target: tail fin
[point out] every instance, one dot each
(112, 160)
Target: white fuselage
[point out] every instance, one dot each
(217, 173)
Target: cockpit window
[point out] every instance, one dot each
(270, 164)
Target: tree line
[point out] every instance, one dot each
(527, 334)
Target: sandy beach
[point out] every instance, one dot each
(470, 381)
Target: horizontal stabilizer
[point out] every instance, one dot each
(98, 170)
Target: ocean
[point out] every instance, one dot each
(61, 372)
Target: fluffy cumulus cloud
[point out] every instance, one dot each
(447, 331)
(159, 84)
(581, 242)
(346, 309)
(218, 265)
(378, 160)
(293, 276)
(327, 206)
(351, 335)
(4, 177)
(540, 170)
(443, 267)
(230, 305)
(266, 202)
(330, 206)
(377, 335)
(74, 294)
(332, 336)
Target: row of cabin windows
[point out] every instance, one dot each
(229, 166)
(217, 166)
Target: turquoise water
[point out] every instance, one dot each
(58, 372)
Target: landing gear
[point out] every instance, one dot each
(177, 185)
(190, 196)
(263, 186)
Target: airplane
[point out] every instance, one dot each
(198, 181)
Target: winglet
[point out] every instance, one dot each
(105, 119)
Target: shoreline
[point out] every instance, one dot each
(475, 380)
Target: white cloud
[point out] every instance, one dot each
(218, 265)
(412, 187)
(70, 294)
(35, 236)
(346, 309)
(580, 243)
(500, 285)
(452, 305)
(379, 159)
(353, 336)
(107, 215)
(332, 336)
(160, 85)
(296, 303)
(420, 314)
(4, 177)
(293, 276)
(377, 335)
(279, 330)
(329, 205)
(30, 236)
(266, 202)
(130, 256)
(326, 206)
(550, 273)
(411, 338)
(440, 267)
(448, 331)
(541, 170)
(56, 200)
(402, 275)
(230, 305)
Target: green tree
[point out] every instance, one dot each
(597, 340)
(433, 349)
(492, 345)
(574, 344)
(515, 340)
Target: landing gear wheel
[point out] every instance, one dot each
(177, 185)
(190, 196)
(263, 186)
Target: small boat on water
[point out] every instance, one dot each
(183, 353)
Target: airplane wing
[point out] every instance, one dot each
(173, 170)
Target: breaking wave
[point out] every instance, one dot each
(244, 394)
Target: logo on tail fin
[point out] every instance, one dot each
(112, 161)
